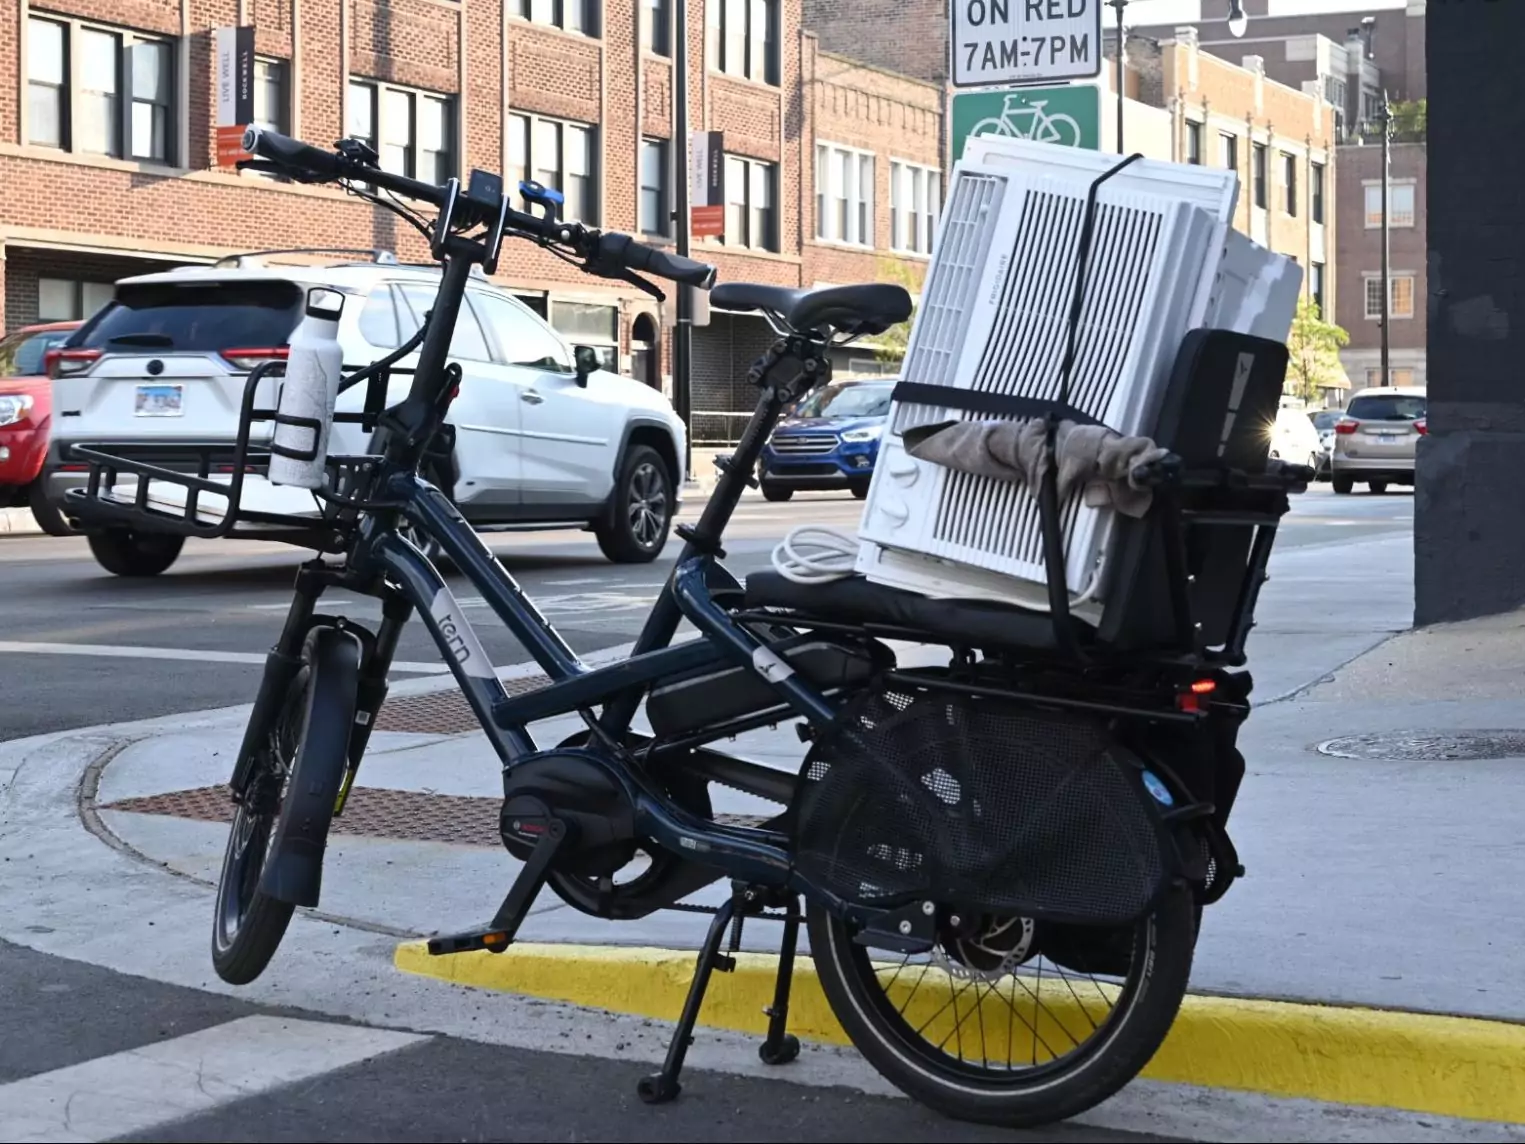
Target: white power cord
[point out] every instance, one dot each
(836, 552)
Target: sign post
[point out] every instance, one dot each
(996, 43)
(235, 92)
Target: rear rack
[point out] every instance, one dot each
(156, 504)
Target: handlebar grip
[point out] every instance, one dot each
(288, 152)
(633, 255)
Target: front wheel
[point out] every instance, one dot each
(635, 528)
(1378, 488)
(127, 552)
(1001, 1024)
(775, 492)
(1344, 486)
(306, 744)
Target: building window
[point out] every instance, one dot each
(914, 195)
(655, 213)
(272, 96)
(589, 324)
(1194, 143)
(100, 91)
(556, 155)
(1228, 147)
(1316, 191)
(844, 195)
(655, 34)
(412, 131)
(1289, 181)
(67, 300)
(742, 38)
(1402, 377)
(571, 15)
(751, 190)
(1262, 198)
(1401, 301)
(1400, 197)
(1316, 286)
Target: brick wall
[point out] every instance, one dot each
(905, 36)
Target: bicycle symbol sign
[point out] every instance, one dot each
(1063, 116)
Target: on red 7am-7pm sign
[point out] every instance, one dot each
(997, 43)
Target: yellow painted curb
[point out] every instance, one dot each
(1446, 1066)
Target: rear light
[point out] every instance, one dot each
(67, 363)
(1421, 426)
(1190, 700)
(1346, 427)
(249, 359)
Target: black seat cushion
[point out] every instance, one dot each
(869, 308)
(856, 599)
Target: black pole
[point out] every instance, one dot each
(682, 335)
(1387, 283)
(1119, 5)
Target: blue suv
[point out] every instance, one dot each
(830, 440)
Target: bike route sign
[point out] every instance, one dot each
(996, 42)
(1066, 116)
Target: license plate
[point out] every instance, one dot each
(160, 401)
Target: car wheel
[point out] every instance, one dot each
(1344, 485)
(47, 514)
(859, 489)
(640, 511)
(1377, 488)
(124, 552)
(774, 492)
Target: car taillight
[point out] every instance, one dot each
(249, 359)
(1421, 426)
(1346, 428)
(67, 363)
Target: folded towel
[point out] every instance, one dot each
(1092, 456)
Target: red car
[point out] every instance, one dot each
(26, 409)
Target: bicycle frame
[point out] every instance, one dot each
(383, 563)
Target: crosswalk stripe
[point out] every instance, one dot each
(131, 651)
(140, 1089)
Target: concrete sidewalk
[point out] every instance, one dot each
(1374, 881)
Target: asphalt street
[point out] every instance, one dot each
(193, 638)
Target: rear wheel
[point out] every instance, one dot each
(310, 734)
(1377, 487)
(775, 492)
(127, 552)
(634, 531)
(1344, 486)
(938, 1030)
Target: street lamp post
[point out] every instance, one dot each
(683, 329)
(1387, 282)
(1238, 22)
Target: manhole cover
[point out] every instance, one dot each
(443, 712)
(1429, 746)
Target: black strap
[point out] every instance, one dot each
(994, 404)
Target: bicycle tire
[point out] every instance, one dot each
(324, 693)
(1167, 940)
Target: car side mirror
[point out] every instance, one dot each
(588, 363)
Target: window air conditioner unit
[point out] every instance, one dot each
(994, 318)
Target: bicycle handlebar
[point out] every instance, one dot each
(600, 251)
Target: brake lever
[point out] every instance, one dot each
(624, 274)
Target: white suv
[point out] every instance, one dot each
(543, 438)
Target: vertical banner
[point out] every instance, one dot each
(235, 91)
(706, 172)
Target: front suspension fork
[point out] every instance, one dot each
(396, 610)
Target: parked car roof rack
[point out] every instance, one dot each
(377, 256)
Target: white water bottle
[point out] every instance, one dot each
(311, 386)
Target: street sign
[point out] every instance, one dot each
(1065, 116)
(998, 42)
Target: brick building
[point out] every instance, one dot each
(108, 159)
(1330, 53)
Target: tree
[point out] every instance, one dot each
(1411, 120)
(890, 346)
(1314, 350)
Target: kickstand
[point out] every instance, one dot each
(663, 1086)
(500, 932)
(781, 1047)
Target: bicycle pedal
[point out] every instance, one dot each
(493, 941)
